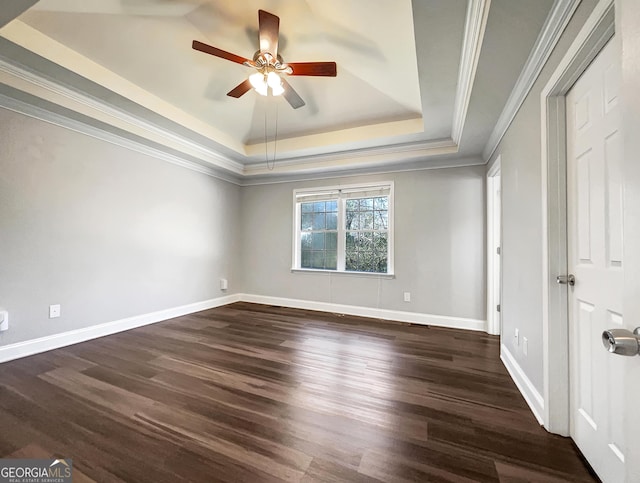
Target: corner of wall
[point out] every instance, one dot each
(531, 395)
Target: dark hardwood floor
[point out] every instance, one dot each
(263, 394)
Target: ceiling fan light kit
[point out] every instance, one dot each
(269, 65)
(262, 81)
(259, 83)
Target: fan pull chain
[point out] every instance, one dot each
(275, 140)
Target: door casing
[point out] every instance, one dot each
(594, 35)
(494, 268)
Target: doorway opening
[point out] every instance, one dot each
(494, 248)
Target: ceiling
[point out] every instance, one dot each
(418, 82)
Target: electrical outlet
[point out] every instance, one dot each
(407, 296)
(54, 311)
(525, 346)
(224, 284)
(4, 320)
(516, 336)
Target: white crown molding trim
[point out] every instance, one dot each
(399, 168)
(475, 25)
(55, 341)
(384, 131)
(556, 22)
(39, 86)
(40, 113)
(523, 383)
(37, 42)
(208, 160)
(45, 115)
(394, 315)
(361, 158)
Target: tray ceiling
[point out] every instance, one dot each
(406, 75)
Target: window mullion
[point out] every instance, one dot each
(297, 249)
(341, 234)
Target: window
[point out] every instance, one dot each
(344, 229)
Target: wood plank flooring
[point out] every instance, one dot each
(253, 393)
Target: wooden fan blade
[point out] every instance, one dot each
(291, 95)
(328, 69)
(269, 25)
(240, 90)
(209, 49)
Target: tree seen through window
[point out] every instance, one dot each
(366, 225)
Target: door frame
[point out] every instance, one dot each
(494, 270)
(594, 35)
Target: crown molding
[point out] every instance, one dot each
(420, 165)
(475, 25)
(408, 157)
(308, 144)
(555, 24)
(12, 102)
(28, 108)
(359, 158)
(57, 54)
(41, 96)
(86, 114)
(42, 87)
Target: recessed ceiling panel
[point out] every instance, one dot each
(418, 80)
(148, 42)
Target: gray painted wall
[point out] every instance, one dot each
(104, 231)
(439, 246)
(521, 169)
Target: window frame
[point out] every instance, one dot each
(337, 190)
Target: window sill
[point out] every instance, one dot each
(336, 272)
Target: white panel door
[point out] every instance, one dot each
(595, 243)
(628, 24)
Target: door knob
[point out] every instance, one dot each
(622, 341)
(566, 279)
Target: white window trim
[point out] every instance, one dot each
(296, 252)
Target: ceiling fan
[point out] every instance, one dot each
(269, 65)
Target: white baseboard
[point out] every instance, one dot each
(396, 315)
(531, 395)
(55, 341)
